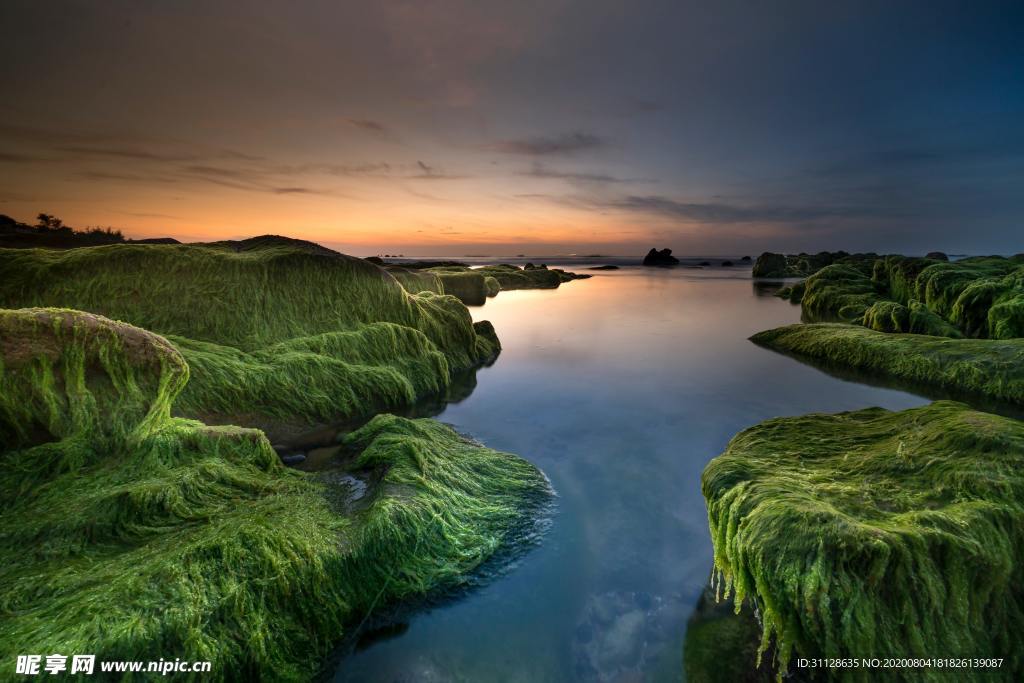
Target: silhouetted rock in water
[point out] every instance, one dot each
(704, 263)
(660, 258)
(745, 258)
(376, 260)
(727, 263)
(603, 268)
(937, 256)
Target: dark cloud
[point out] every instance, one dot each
(541, 171)
(544, 146)
(367, 125)
(124, 153)
(925, 157)
(722, 213)
(14, 158)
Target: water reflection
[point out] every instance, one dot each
(620, 388)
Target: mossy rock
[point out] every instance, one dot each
(988, 368)
(416, 281)
(981, 297)
(838, 292)
(877, 534)
(492, 286)
(134, 535)
(469, 286)
(887, 316)
(280, 333)
(511, 277)
(721, 644)
(53, 360)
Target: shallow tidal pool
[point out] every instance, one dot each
(620, 388)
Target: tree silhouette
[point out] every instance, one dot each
(49, 222)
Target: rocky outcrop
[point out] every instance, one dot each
(663, 257)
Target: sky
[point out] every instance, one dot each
(462, 127)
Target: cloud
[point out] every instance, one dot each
(723, 213)
(125, 153)
(984, 148)
(428, 172)
(14, 158)
(541, 171)
(367, 125)
(544, 146)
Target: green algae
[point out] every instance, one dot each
(980, 297)
(990, 368)
(469, 286)
(889, 316)
(877, 534)
(772, 265)
(838, 292)
(276, 330)
(133, 535)
(721, 645)
(416, 281)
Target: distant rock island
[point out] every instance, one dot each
(660, 258)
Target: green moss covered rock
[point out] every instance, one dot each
(134, 535)
(877, 534)
(981, 367)
(981, 297)
(838, 292)
(276, 330)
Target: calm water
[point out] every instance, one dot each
(620, 388)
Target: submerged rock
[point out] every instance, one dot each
(660, 258)
(838, 528)
(607, 267)
(620, 634)
(722, 645)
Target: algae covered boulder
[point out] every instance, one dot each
(72, 375)
(838, 292)
(468, 285)
(770, 264)
(134, 535)
(981, 297)
(721, 644)
(877, 534)
(416, 281)
(993, 369)
(277, 331)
